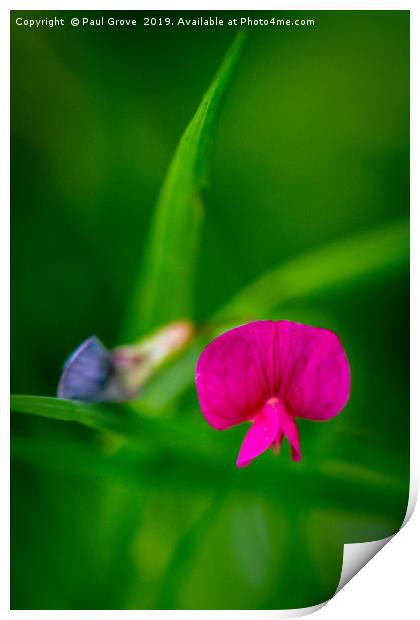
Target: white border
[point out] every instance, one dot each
(388, 584)
(214, 5)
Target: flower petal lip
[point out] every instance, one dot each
(304, 368)
(260, 436)
(87, 372)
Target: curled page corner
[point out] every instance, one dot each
(299, 612)
(357, 555)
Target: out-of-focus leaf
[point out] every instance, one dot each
(183, 554)
(379, 252)
(164, 292)
(179, 453)
(165, 386)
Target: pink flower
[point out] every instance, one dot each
(270, 373)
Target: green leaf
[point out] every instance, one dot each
(378, 253)
(164, 291)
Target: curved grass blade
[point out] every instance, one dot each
(118, 418)
(380, 252)
(134, 424)
(164, 291)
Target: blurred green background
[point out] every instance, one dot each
(312, 148)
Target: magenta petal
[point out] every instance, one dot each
(231, 376)
(260, 436)
(313, 372)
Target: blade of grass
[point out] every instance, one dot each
(164, 290)
(123, 419)
(116, 418)
(379, 252)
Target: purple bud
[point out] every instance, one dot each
(87, 373)
(94, 374)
